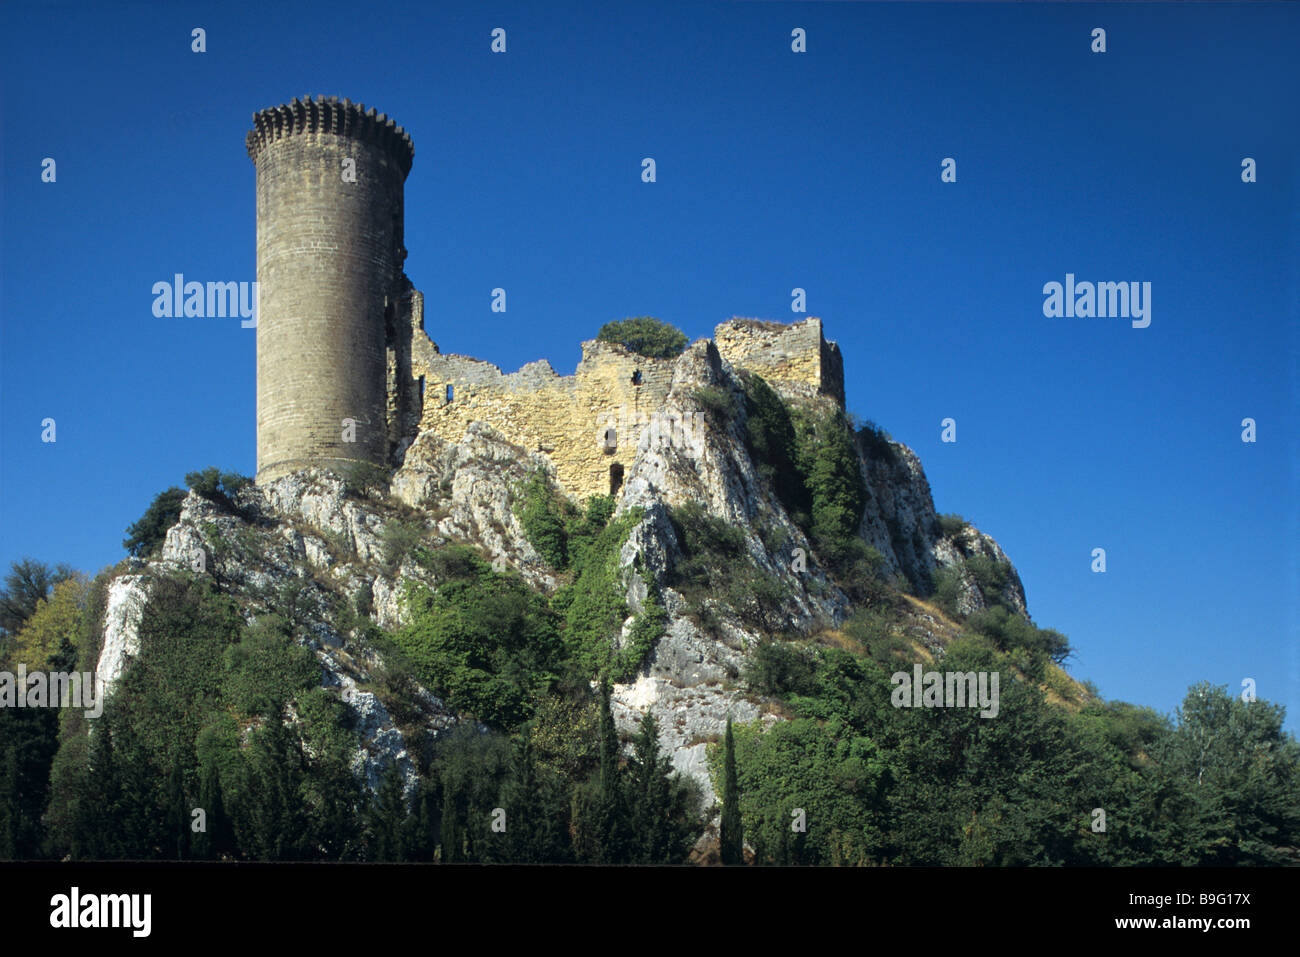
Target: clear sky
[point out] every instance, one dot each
(775, 170)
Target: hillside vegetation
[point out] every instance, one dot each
(458, 663)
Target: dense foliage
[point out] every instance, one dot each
(217, 486)
(810, 457)
(26, 584)
(484, 640)
(228, 715)
(950, 524)
(870, 783)
(716, 572)
(200, 715)
(585, 544)
(645, 336)
(147, 535)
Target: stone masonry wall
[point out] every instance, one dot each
(329, 259)
(781, 353)
(584, 423)
(591, 421)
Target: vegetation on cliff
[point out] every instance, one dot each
(645, 336)
(224, 707)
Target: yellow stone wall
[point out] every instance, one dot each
(570, 418)
(796, 353)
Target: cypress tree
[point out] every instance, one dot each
(733, 835)
(526, 826)
(610, 815)
(451, 836)
(178, 817)
(218, 839)
(425, 838)
(97, 794)
(783, 854)
(608, 746)
(28, 742)
(9, 812)
(278, 824)
(660, 829)
(388, 818)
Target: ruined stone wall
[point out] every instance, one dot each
(781, 353)
(591, 421)
(569, 418)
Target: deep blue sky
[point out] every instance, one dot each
(775, 170)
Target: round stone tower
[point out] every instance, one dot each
(330, 177)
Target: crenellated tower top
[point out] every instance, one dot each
(331, 115)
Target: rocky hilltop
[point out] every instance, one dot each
(318, 540)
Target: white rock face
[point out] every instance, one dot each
(690, 681)
(264, 557)
(304, 542)
(123, 609)
(472, 481)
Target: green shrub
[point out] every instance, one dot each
(950, 525)
(1054, 645)
(876, 442)
(874, 630)
(645, 336)
(541, 513)
(486, 642)
(1010, 632)
(564, 735)
(451, 562)
(812, 462)
(217, 486)
(147, 535)
(648, 627)
(600, 509)
(772, 444)
(948, 584)
(861, 572)
(991, 577)
(558, 531)
(717, 402)
(267, 668)
(362, 479)
(175, 683)
(594, 605)
(828, 461)
(716, 566)
(780, 668)
(838, 780)
(399, 538)
(221, 547)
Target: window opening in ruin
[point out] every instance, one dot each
(450, 392)
(636, 376)
(615, 478)
(611, 439)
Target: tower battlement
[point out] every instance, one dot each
(334, 116)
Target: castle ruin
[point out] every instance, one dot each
(345, 371)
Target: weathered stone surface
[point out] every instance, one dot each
(784, 354)
(329, 260)
(688, 719)
(267, 556)
(123, 609)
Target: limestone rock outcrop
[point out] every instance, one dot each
(310, 535)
